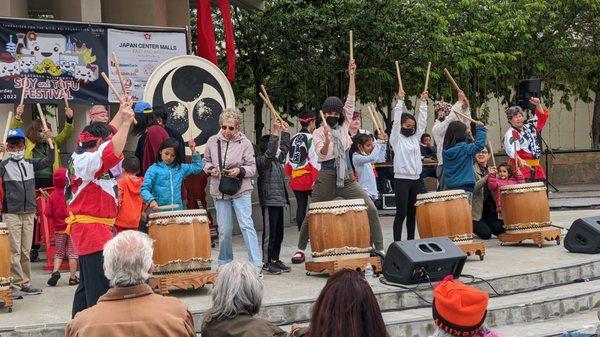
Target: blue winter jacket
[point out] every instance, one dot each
(163, 182)
(458, 161)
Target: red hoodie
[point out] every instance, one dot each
(56, 209)
(130, 201)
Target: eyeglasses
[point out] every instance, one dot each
(224, 127)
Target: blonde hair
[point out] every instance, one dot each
(232, 113)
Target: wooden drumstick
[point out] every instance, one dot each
(452, 80)
(460, 114)
(64, 92)
(112, 87)
(322, 117)
(351, 45)
(398, 75)
(43, 119)
(265, 97)
(492, 153)
(7, 127)
(119, 74)
(516, 155)
(427, 76)
(375, 122)
(24, 84)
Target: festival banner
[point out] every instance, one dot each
(138, 54)
(46, 52)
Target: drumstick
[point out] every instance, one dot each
(269, 106)
(492, 153)
(323, 117)
(43, 119)
(112, 87)
(460, 114)
(427, 76)
(351, 37)
(24, 84)
(64, 92)
(172, 206)
(516, 155)
(398, 75)
(119, 74)
(7, 127)
(452, 80)
(375, 122)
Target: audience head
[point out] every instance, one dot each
(456, 133)
(167, 152)
(408, 124)
(426, 139)
(35, 131)
(515, 116)
(307, 119)
(505, 171)
(363, 143)
(15, 144)
(356, 121)
(128, 259)
(263, 143)
(333, 109)
(441, 110)
(458, 309)
(98, 113)
(482, 157)
(131, 165)
(93, 135)
(230, 121)
(347, 307)
(238, 289)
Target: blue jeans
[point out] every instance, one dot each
(243, 211)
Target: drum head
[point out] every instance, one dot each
(182, 213)
(526, 186)
(337, 203)
(441, 194)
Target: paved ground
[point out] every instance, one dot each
(54, 305)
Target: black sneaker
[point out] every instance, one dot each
(281, 266)
(29, 290)
(271, 269)
(54, 279)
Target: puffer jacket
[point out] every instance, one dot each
(240, 153)
(271, 180)
(19, 182)
(163, 182)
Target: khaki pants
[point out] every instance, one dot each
(325, 189)
(20, 233)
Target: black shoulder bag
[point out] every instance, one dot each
(227, 185)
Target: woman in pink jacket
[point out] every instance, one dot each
(503, 176)
(237, 161)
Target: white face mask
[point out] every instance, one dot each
(17, 155)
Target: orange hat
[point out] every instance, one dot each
(459, 309)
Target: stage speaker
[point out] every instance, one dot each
(527, 89)
(417, 261)
(584, 236)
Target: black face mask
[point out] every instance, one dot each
(332, 121)
(407, 132)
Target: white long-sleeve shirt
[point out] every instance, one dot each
(407, 150)
(439, 128)
(364, 170)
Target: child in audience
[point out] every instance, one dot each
(459, 156)
(56, 212)
(503, 176)
(365, 151)
(163, 179)
(130, 199)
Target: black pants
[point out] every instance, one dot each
(302, 204)
(488, 224)
(92, 282)
(406, 191)
(272, 232)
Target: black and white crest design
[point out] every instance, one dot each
(190, 87)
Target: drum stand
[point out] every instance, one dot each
(6, 299)
(186, 281)
(538, 236)
(358, 264)
(473, 248)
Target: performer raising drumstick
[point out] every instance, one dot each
(405, 141)
(335, 179)
(521, 140)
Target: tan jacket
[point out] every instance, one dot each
(133, 311)
(243, 325)
(478, 193)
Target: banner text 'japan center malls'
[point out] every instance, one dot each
(46, 51)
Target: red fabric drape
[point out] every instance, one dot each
(207, 47)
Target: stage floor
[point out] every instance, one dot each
(53, 307)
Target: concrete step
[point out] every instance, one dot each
(585, 322)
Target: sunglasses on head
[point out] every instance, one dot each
(224, 127)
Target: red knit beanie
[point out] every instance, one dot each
(459, 309)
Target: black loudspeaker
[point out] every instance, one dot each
(417, 261)
(527, 89)
(584, 236)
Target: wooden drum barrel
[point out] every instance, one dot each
(445, 213)
(525, 207)
(181, 241)
(5, 278)
(339, 230)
